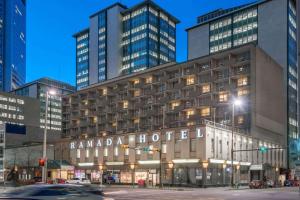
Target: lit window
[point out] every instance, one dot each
(190, 81)
(105, 153)
(240, 120)
(190, 124)
(242, 81)
(205, 112)
(87, 153)
(136, 93)
(104, 92)
(189, 113)
(206, 88)
(149, 79)
(96, 153)
(242, 92)
(136, 121)
(78, 153)
(137, 81)
(174, 105)
(125, 104)
(126, 152)
(223, 97)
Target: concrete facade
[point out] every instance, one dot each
(198, 42)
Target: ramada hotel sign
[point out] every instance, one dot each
(141, 138)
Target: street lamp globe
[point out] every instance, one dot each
(237, 102)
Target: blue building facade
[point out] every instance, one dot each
(12, 44)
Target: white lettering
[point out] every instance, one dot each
(155, 137)
(98, 143)
(169, 133)
(108, 142)
(184, 134)
(80, 145)
(119, 142)
(142, 138)
(89, 143)
(72, 145)
(199, 133)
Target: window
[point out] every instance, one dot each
(190, 81)
(136, 121)
(242, 92)
(242, 81)
(116, 151)
(206, 88)
(87, 153)
(240, 119)
(164, 148)
(125, 104)
(96, 153)
(205, 112)
(174, 105)
(104, 92)
(189, 113)
(137, 81)
(223, 97)
(136, 93)
(126, 151)
(149, 80)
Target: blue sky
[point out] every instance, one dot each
(51, 24)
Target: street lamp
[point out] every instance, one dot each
(44, 169)
(236, 102)
(132, 167)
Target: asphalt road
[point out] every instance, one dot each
(203, 194)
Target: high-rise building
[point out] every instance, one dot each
(272, 25)
(12, 44)
(123, 40)
(37, 89)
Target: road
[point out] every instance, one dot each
(203, 194)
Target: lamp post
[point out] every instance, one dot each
(171, 165)
(236, 102)
(224, 173)
(44, 169)
(205, 166)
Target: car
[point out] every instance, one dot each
(288, 183)
(78, 181)
(270, 183)
(56, 191)
(256, 184)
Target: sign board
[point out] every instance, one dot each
(2, 152)
(256, 167)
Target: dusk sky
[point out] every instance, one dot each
(51, 24)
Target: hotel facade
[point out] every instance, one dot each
(167, 107)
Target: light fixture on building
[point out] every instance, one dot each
(277, 169)
(238, 167)
(101, 167)
(170, 165)
(224, 166)
(148, 162)
(114, 163)
(205, 164)
(85, 164)
(216, 161)
(132, 166)
(178, 161)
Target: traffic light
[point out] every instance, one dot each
(41, 162)
(263, 149)
(124, 146)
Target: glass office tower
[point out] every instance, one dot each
(148, 38)
(123, 40)
(12, 44)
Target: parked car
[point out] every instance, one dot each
(79, 181)
(270, 183)
(288, 183)
(256, 184)
(37, 179)
(45, 192)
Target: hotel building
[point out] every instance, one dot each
(174, 98)
(123, 40)
(37, 89)
(272, 25)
